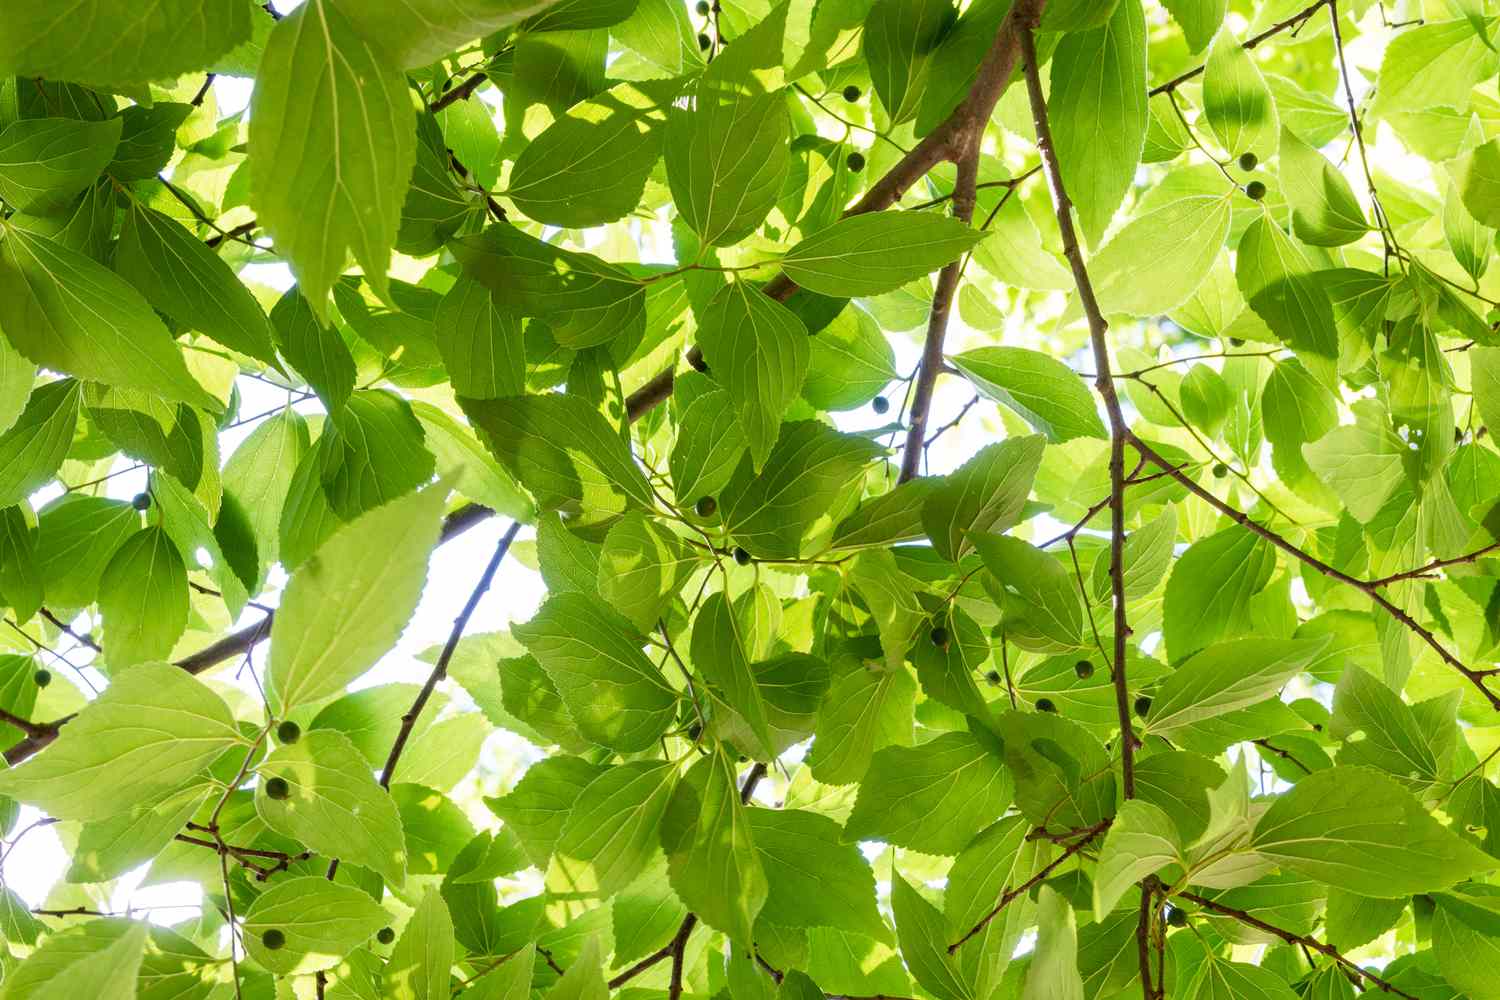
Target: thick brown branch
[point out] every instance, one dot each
(462, 92)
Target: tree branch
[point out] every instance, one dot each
(1010, 895)
(948, 142)
(1306, 941)
(1291, 22)
(1104, 384)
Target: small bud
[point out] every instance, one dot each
(856, 161)
(42, 678)
(1248, 161)
(1143, 705)
(141, 501)
(703, 42)
(1084, 669)
(278, 789)
(288, 732)
(1045, 705)
(741, 556)
(852, 93)
(385, 935)
(273, 939)
(880, 404)
(706, 506)
(1255, 190)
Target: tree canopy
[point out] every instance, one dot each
(1010, 482)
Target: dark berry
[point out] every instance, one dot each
(993, 677)
(852, 93)
(856, 161)
(1248, 161)
(703, 42)
(1143, 705)
(1236, 342)
(939, 636)
(694, 732)
(141, 501)
(42, 678)
(699, 365)
(881, 404)
(288, 732)
(741, 556)
(1045, 705)
(1084, 668)
(273, 939)
(1176, 917)
(702, 8)
(385, 935)
(706, 506)
(1220, 470)
(278, 789)
(1255, 190)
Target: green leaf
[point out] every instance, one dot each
(613, 830)
(930, 797)
(1357, 829)
(901, 37)
(1379, 730)
(148, 138)
(101, 962)
(103, 43)
(539, 807)
(1363, 462)
(333, 804)
(480, 341)
(615, 695)
(77, 537)
(1324, 210)
(641, 568)
(850, 362)
(562, 450)
(1098, 113)
(589, 167)
(710, 441)
(1477, 174)
(36, 444)
(1276, 278)
(711, 854)
(1156, 261)
(104, 761)
(65, 312)
(44, 162)
(718, 654)
(1043, 391)
(417, 32)
(347, 606)
(420, 963)
(1227, 676)
(921, 929)
(1048, 594)
(585, 301)
(984, 495)
(866, 710)
(793, 503)
(320, 922)
(1221, 980)
(877, 252)
(332, 145)
(143, 597)
(1054, 967)
(758, 350)
(1236, 101)
(1199, 19)
(1209, 591)
(259, 474)
(814, 880)
(314, 349)
(373, 452)
(187, 281)
(727, 158)
(1149, 551)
